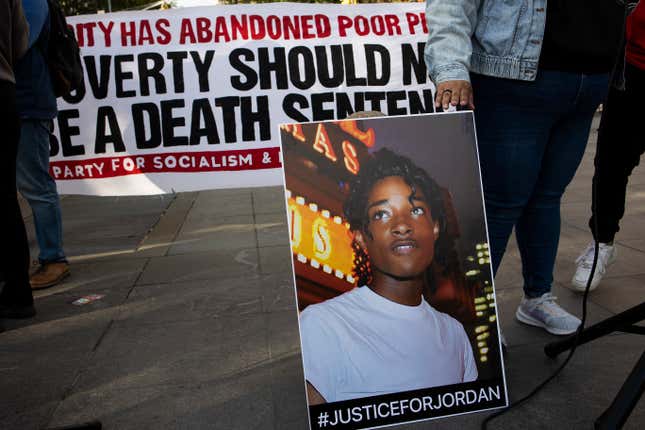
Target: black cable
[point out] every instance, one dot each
(581, 327)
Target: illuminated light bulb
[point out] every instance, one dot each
(339, 274)
(480, 314)
(302, 258)
(492, 318)
(481, 328)
(483, 359)
(481, 261)
(327, 268)
(314, 263)
(288, 193)
(300, 200)
(481, 344)
(478, 246)
(483, 336)
(338, 220)
(481, 307)
(325, 213)
(350, 279)
(313, 207)
(479, 300)
(485, 245)
(480, 254)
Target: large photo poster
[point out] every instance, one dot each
(396, 303)
(190, 99)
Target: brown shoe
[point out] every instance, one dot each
(49, 274)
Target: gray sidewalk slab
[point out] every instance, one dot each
(198, 327)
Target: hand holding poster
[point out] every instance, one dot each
(393, 279)
(189, 99)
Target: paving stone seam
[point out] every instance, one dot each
(135, 283)
(183, 221)
(99, 341)
(226, 277)
(159, 218)
(254, 277)
(94, 349)
(262, 363)
(82, 368)
(613, 313)
(208, 251)
(231, 376)
(123, 323)
(255, 234)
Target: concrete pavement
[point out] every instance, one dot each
(198, 329)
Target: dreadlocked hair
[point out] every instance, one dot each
(362, 270)
(386, 163)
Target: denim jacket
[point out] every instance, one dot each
(500, 38)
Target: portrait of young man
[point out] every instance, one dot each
(383, 336)
(391, 266)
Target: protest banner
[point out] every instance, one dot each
(394, 286)
(190, 99)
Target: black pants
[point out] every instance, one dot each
(621, 142)
(14, 249)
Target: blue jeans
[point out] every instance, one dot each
(531, 138)
(39, 189)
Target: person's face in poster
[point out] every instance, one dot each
(400, 233)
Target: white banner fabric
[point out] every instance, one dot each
(191, 99)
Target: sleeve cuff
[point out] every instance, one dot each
(453, 72)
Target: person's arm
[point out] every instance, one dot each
(449, 48)
(315, 398)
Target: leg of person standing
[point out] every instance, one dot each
(538, 229)
(16, 300)
(511, 155)
(37, 186)
(618, 151)
(545, 122)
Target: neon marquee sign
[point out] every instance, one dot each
(323, 144)
(320, 239)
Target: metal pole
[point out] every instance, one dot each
(109, 5)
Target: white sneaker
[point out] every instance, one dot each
(546, 313)
(606, 256)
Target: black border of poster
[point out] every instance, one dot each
(409, 406)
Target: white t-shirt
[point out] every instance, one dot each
(361, 344)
